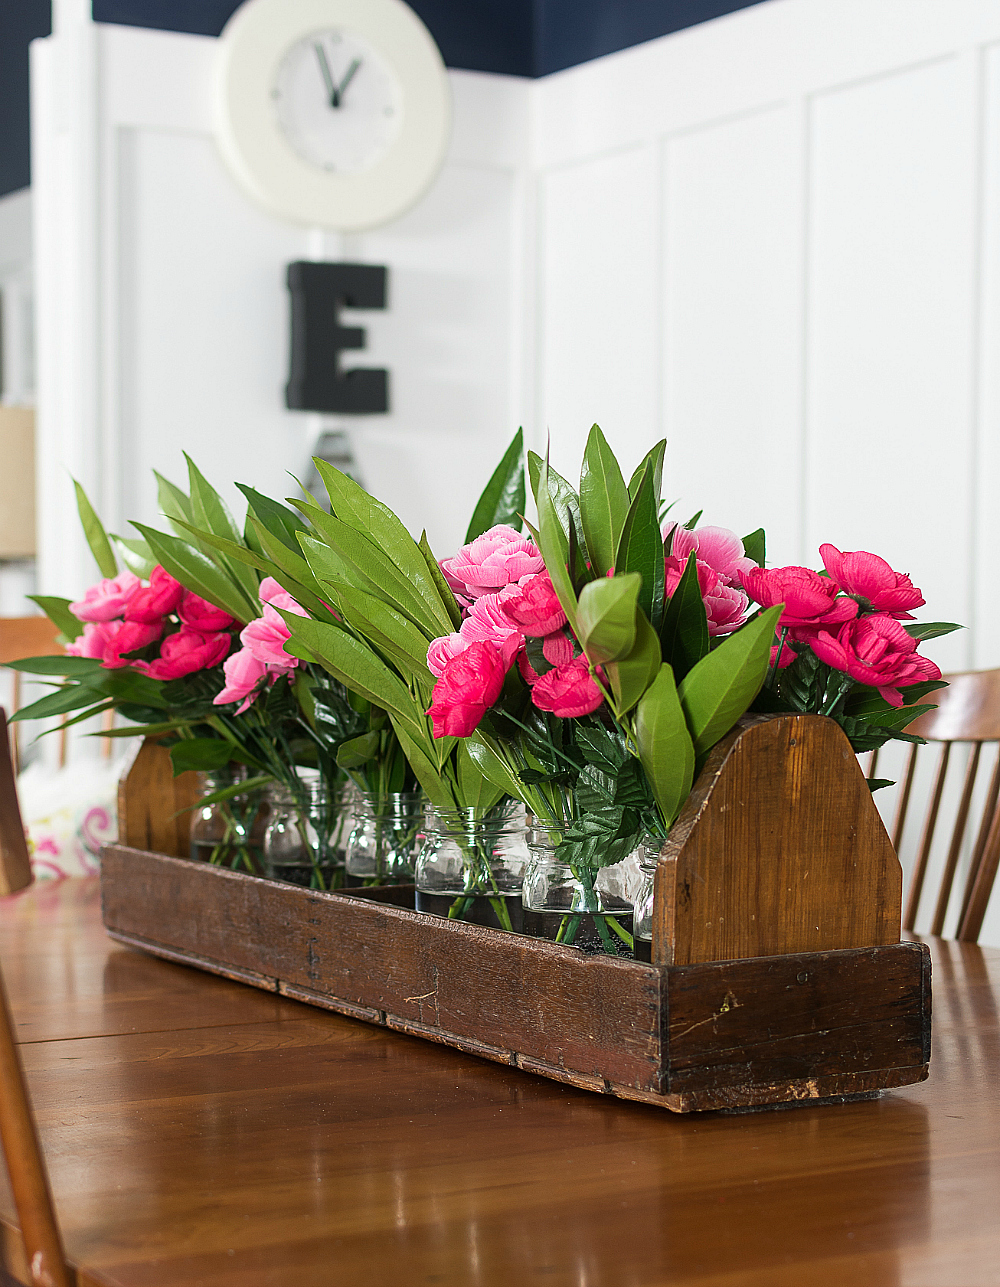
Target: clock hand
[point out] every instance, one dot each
(324, 67)
(348, 77)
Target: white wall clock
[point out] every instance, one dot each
(333, 113)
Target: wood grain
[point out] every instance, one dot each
(295, 1147)
(778, 849)
(152, 803)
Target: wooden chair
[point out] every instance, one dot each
(968, 712)
(18, 1133)
(26, 637)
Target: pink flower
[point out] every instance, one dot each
(201, 615)
(568, 691)
(877, 651)
(810, 599)
(534, 606)
(469, 686)
(185, 652)
(492, 561)
(95, 640)
(153, 602)
(442, 650)
(487, 620)
(721, 549)
(725, 605)
(132, 636)
(871, 578)
(107, 599)
(244, 673)
(271, 592)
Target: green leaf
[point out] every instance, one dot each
(503, 497)
(358, 750)
(96, 536)
(57, 611)
(212, 515)
(173, 503)
(553, 544)
(632, 675)
(606, 616)
(145, 730)
(423, 760)
(665, 747)
(388, 630)
(475, 787)
(564, 499)
(485, 752)
(684, 637)
(604, 501)
(720, 688)
(652, 457)
(444, 589)
(75, 667)
(197, 572)
(71, 697)
(640, 549)
(282, 522)
(229, 792)
(930, 629)
(136, 555)
(754, 546)
(199, 753)
(351, 661)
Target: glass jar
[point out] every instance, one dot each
(383, 842)
(229, 833)
(642, 931)
(471, 868)
(578, 904)
(300, 842)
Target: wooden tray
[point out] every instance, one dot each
(779, 863)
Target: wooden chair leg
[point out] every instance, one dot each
(25, 1165)
(15, 863)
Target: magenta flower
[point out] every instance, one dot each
(244, 673)
(108, 599)
(132, 636)
(810, 600)
(493, 560)
(265, 636)
(877, 651)
(568, 690)
(469, 686)
(486, 619)
(721, 549)
(725, 605)
(151, 603)
(871, 578)
(271, 592)
(199, 614)
(185, 652)
(95, 641)
(534, 607)
(442, 650)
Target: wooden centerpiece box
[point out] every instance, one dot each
(778, 973)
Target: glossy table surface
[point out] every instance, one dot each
(200, 1132)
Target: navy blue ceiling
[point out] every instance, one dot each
(516, 37)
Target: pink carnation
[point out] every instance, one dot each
(95, 641)
(725, 604)
(810, 600)
(265, 636)
(721, 549)
(470, 684)
(871, 578)
(534, 607)
(568, 690)
(271, 592)
(108, 599)
(493, 560)
(244, 673)
(199, 614)
(877, 651)
(185, 652)
(132, 636)
(153, 602)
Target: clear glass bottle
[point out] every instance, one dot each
(229, 833)
(300, 844)
(382, 847)
(642, 931)
(471, 868)
(576, 904)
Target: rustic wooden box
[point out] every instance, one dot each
(779, 864)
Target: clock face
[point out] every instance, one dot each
(339, 105)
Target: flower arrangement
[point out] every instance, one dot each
(552, 688)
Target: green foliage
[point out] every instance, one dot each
(197, 572)
(930, 629)
(684, 638)
(200, 753)
(503, 497)
(278, 519)
(564, 500)
(606, 616)
(720, 688)
(604, 501)
(57, 611)
(96, 536)
(754, 546)
(632, 674)
(552, 540)
(136, 555)
(653, 458)
(665, 746)
(444, 589)
(640, 548)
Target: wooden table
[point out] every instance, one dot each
(200, 1132)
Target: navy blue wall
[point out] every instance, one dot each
(20, 22)
(517, 37)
